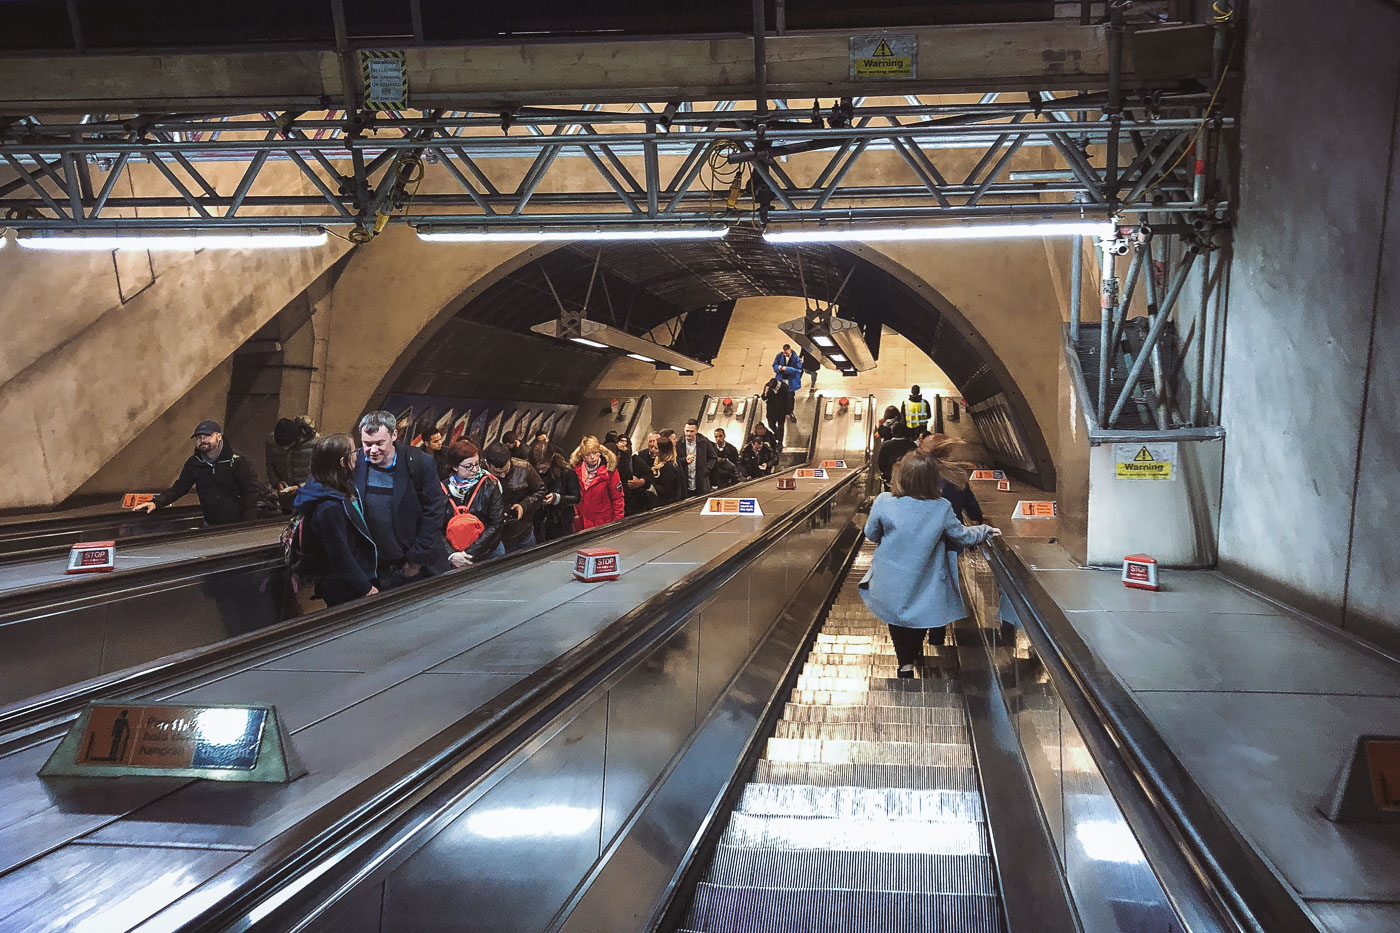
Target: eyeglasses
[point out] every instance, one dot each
(470, 466)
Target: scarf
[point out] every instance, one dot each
(461, 488)
(593, 474)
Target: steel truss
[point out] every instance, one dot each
(1149, 151)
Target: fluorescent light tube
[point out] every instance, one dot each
(877, 233)
(589, 343)
(443, 234)
(836, 358)
(175, 239)
(822, 341)
(644, 359)
(678, 369)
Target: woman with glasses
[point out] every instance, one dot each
(471, 487)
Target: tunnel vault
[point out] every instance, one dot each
(641, 286)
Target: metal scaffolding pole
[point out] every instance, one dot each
(1108, 299)
(1203, 330)
(1076, 290)
(1153, 334)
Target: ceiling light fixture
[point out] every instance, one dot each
(174, 238)
(845, 344)
(604, 336)
(822, 340)
(438, 233)
(873, 233)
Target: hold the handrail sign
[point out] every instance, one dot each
(833, 464)
(1143, 461)
(1367, 786)
(1003, 485)
(816, 473)
(1035, 509)
(718, 506)
(989, 474)
(132, 499)
(226, 743)
(92, 557)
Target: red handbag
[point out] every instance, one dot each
(463, 528)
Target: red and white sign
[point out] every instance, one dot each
(593, 564)
(92, 557)
(787, 483)
(1003, 485)
(132, 499)
(1035, 509)
(989, 474)
(1140, 572)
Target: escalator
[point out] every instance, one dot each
(865, 811)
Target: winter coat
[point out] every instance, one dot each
(810, 363)
(227, 488)
(963, 501)
(487, 505)
(289, 466)
(913, 577)
(890, 453)
(557, 519)
(339, 555)
(642, 498)
(789, 370)
(669, 485)
(521, 486)
(602, 502)
(705, 456)
(777, 401)
(758, 463)
(419, 507)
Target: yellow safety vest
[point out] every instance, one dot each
(916, 414)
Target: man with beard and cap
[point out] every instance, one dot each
(223, 480)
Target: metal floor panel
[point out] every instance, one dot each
(865, 812)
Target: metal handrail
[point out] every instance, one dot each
(1215, 879)
(285, 881)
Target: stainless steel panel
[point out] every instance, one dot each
(548, 635)
(286, 690)
(635, 586)
(1270, 653)
(32, 665)
(1357, 917)
(1268, 759)
(511, 861)
(651, 714)
(120, 886)
(357, 912)
(724, 639)
(339, 751)
(1182, 591)
(154, 625)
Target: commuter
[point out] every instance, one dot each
(470, 486)
(223, 480)
(666, 475)
(435, 446)
(516, 446)
(891, 418)
(890, 452)
(339, 557)
(725, 472)
(810, 366)
(912, 583)
(637, 492)
(287, 457)
(595, 470)
(761, 432)
(758, 459)
(787, 367)
(777, 406)
(404, 505)
(555, 518)
(916, 410)
(696, 455)
(523, 493)
(956, 476)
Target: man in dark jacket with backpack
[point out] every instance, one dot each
(228, 491)
(405, 508)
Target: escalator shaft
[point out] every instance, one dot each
(865, 812)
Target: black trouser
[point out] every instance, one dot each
(776, 426)
(909, 642)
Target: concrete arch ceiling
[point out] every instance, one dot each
(639, 285)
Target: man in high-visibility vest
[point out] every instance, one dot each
(916, 410)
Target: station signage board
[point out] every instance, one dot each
(216, 742)
(833, 464)
(816, 473)
(989, 474)
(719, 506)
(1034, 509)
(1003, 485)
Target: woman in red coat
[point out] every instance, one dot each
(601, 500)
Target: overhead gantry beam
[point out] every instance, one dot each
(1004, 57)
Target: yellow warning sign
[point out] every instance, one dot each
(1143, 461)
(884, 56)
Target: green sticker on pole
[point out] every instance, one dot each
(386, 79)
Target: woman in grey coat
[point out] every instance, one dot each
(912, 583)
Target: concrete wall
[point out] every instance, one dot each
(1312, 369)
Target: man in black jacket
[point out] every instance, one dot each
(228, 491)
(404, 505)
(757, 459)
(726, 469)
(695, 456)
(523, 493)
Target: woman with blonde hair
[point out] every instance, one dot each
(955, 476)
(600, 485)
(912, 583)
(667, 475)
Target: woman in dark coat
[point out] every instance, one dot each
(338, 554)
(667, 476)
(556, 518)
(464, 479)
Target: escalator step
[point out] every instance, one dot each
(922, 693)
(815, 833)
(841, 752)
(736, 909)
(860, 684)
(913, 715)
(919, 777)
(853, 871)
(872, 732)
(860, 803)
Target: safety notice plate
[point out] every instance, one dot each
(718, 506)
(1143, 461)
(895, 56)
